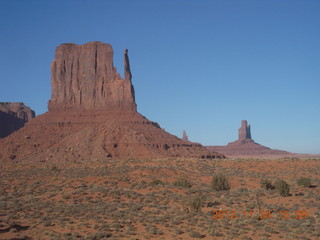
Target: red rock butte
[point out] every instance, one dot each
(246, 146)
(93, 115)
(83, 77)
(13, 116)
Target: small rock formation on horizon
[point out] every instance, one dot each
(13, 116)
(245, 145)
(185, 136)
(83, 77)
(92, 115)
(244, 132)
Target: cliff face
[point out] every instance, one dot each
(13, 116)
(83, 77)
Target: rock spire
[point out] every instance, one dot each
(185, 136)
(244, 131)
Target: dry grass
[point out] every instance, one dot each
(156, 199)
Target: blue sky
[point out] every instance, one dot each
(198, 65)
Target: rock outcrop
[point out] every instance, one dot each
(246, 146)
(13, 116)
(244, 131)
(185, 136)
(92, 115)
(83, 77)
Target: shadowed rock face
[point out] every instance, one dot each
(13, 116)
(83, 77)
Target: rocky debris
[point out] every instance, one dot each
(185, 136)
(92, 116)
(246, 146)
(83, 77)
(97, 134)
(13, 116)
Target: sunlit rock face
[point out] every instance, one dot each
(83, 77)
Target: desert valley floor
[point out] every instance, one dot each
(157, 199)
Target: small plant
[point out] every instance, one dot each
(156, 182)
(182, 183)
(304, 182)
(283, 188)
(196, 203)
(195, 234)
(220, 182)
(266, 184)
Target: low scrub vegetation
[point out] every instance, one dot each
(220, 182)
(282, 188)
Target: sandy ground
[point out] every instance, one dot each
(155, 199)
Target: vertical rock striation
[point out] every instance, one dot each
(83, 77)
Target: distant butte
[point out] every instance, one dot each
(246, 146)
(185, 136)
(93, 115)
(13, 116)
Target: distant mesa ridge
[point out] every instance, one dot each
(93, 115)
(245, 145)
(13, 116)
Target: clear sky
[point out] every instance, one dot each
(198, 65)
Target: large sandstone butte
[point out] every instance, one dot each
(13, 116)
(92, 115)
(246, 146)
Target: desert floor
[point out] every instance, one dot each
(154, 199)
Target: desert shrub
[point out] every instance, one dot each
(304, 182)
(183, 182)
(195, 203)
(266, 184)
(220, 182)
(156, 182)
(283, 188)
(195, 234)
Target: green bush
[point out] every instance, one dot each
(156, 182)
(194, 234)
(196, 203)
(220, 182)
(182, 183)
(304, 182)
(266, 184)
(283, 188)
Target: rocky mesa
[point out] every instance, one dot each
(93, 115)
(13, 116)
(246, 146)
